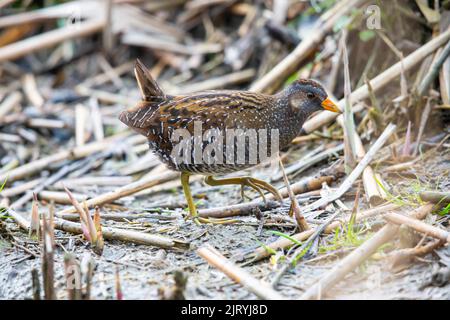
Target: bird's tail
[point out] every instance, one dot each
(150, 89)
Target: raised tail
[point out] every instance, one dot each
(150, 89)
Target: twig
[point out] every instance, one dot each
(238, 275)
(418, 226)
(348, 182)
(435, 196)
(124, 235)
(127, 190)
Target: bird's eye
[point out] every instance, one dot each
(310, 95)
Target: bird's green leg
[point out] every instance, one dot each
(187, 193)
(253, 183)
(191, 205)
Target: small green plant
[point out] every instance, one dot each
(347, 236)
(444, 211)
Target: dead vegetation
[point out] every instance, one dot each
(88, 212)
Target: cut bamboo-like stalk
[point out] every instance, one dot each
(238, 275)
(351, 178)
(124, 235)
(127, 190)
(380, 81)
(81, 116)
(359, 255)
(435, 196)
(371, 188)
(12, 100)
(418, 226)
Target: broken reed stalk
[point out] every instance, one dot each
(372, 191)
(433, 71)
(295, 208)
(358, 256)
(349, 122)
(242, 209)
(127, 190)
(238, 275)
(351, 178)
(273, 79)
(48, 39)
(435, 196)
(418, 226)
(9, 103)
(283, 243)
(379, 81)
(75, 153)
(48, 248)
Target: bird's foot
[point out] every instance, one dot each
(255, 184)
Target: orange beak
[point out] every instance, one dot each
(329, 105)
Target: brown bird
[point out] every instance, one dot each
(221, 131)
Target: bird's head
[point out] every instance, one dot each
(308, 96)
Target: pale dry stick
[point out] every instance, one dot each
(97, 122)
(11, 101)
(358, 256)
(283, 243)
(155, 43)
(81, 116)
(48, 39)
(59, 196)
(127, 190)
(435, 196)
(218, 82)
(31, 90)
(371, 188)
(108, 233)
(351, 178)
(124, 235)
(299, 218)
(272, 80)
(400, 166)
(75, 153)
(4, 3)
(14, 191)
(423, 122)
(379, 81)
(94, 181)
(418, 226)
(239, 275)
(46, 123)
(308, 162)
(348, 123)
